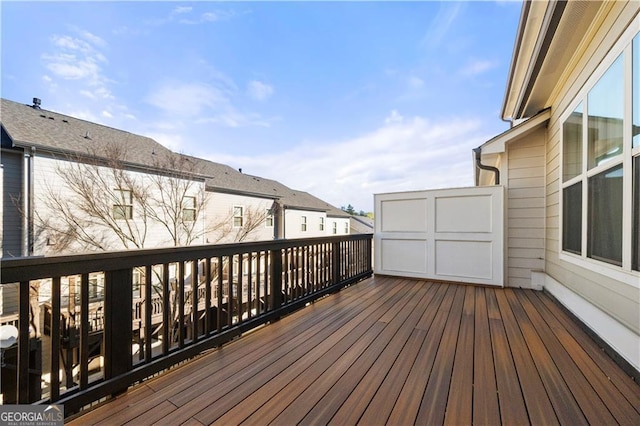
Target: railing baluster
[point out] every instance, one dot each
(240, 285)
(148, 326)
(250, 300)
(23, 343)
(207, 296)
(54, 387)
(220, 284)
(180, 304)
(84, 331)
(166, 309)
(195, 299)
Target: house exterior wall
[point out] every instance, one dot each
(525, 182)
(612, 290)
(342, 225)
(48, 183)
(12, 189)
(293, 224)
(219, 218)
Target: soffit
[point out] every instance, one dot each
(542, 55)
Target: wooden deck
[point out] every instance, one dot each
(393, 351)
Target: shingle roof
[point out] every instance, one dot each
(58, 133)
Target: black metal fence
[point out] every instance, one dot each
(89, 326)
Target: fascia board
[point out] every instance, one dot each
(499, 143)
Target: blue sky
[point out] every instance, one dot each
(341, 99)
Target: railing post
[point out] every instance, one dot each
(335, 253)
(117, 322)
(276, 278)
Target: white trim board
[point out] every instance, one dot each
(624, 341)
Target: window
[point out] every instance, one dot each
(572, 218)
(601, 165)
(572, 145)
(635, 137)
(189, 209)
(335, 227)
(605, 216)
(123, 205)
(269, 219)
(321, 226)
(303, 223)
(346, 228)
(605, 107)
(636, 92)
(636, 213)
(238, 216)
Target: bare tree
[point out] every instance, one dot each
(101, 204)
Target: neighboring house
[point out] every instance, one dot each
(571, 163)
(361, 225)
(224, 204)
(146, 195)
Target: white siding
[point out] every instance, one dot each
(525, 181)
(12, 223)
(615, 297)
(293, 224)
(48, 182)
(219, 218)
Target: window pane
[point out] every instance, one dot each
(572, 218)
(636, 213)
(605, 216)
(636, 91)
(605, 107)
(572, 145)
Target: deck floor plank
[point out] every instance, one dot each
(510, 398)
(593, 409)
(459, 410)
(564, 404)
(395, 351)
(325, 354)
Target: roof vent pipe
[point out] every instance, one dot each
(36, 103)
(495, 170)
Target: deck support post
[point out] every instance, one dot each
(117, 323)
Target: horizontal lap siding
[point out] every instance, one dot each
(617, 299)
(526, 208)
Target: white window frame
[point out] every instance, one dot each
(321, 224)
(623, 273)
(303, 224)
(189, 208)
(335, 227)
(122, 203)
(346, 227)
(268, 220)
(236, 216)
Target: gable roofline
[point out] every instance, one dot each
(57, 134)
(497, 144)
(539, 21)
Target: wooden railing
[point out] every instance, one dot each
(155, 309)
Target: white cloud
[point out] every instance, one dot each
(394, 117)
(188, 99)
(415, 82)
(107, 114)
(259, 91)
(409, 154)
(204, 103)
(441, 23)
(476, 67)
(181, 9)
